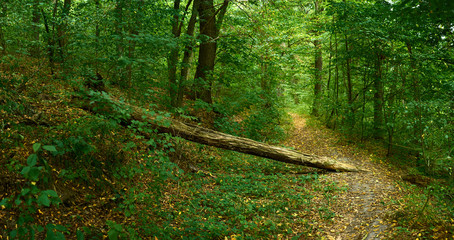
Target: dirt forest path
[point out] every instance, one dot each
(360, 210)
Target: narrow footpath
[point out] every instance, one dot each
(360, 210)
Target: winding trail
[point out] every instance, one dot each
(360, 211)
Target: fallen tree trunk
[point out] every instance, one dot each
(239, 144)
(244, 145)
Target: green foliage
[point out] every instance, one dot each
(415, 106)
(86, 147)
(32, 197)
(117, 231)
(55, 232)
(245, 197)
(429, 211)
(264, 123)
(259, 119)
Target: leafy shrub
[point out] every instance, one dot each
(32, 197)
(251, 116)
(87, 146)
(428, 211)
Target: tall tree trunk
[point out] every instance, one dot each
(172, 61)
(336, 82)
(419, 127)
(50, 36)
(351, 114)
(349, 86)
(318, 78)
(389, 118)
(378, 98)
(119, 75)
(97, 35)
(131, 55)
(133, 27)
(364, 101)
(207, 51)
(3, 10)
(209, 31)
(62, 35)
(330, 64)
(332, 119)
(35, 50)
(318, 65)
(220, 16)
(187, 55)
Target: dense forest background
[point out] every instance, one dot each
(380, 71)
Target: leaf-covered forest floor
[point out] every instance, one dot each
(361, 210)
(379, 203)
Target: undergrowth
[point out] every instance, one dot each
(243, 197)
(426, 213)
(76, 174)
(427, 209)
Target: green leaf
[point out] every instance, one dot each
(60, 228)
(17, 201)
(113, 235)
(49, 148)
(43, 199)
(80, 235)
(115, 230)
(130, 145)
(60, 236)
(39, 228)
(151, 142)
(25, 191)
(4, 202)
(51, 193)
(50, 235)
(55, 235)
(32, 160)
(25, 171)
(13, 234)
(36, 147)
(34, 174)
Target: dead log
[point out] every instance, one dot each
(217, 139)
(244, 145)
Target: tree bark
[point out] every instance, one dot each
(318, 78)
(62, 30)
(119, 21)
(378, 98)
(3, 10)
(244, 145)
(35, 48)
(50, 36)
(172, 60)
(188, 53)
(416, 87)
(210, 26)
(97, 35)
(207, 51)
(318, 64)
(133, 28)
(226, 141)
(349, 82)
